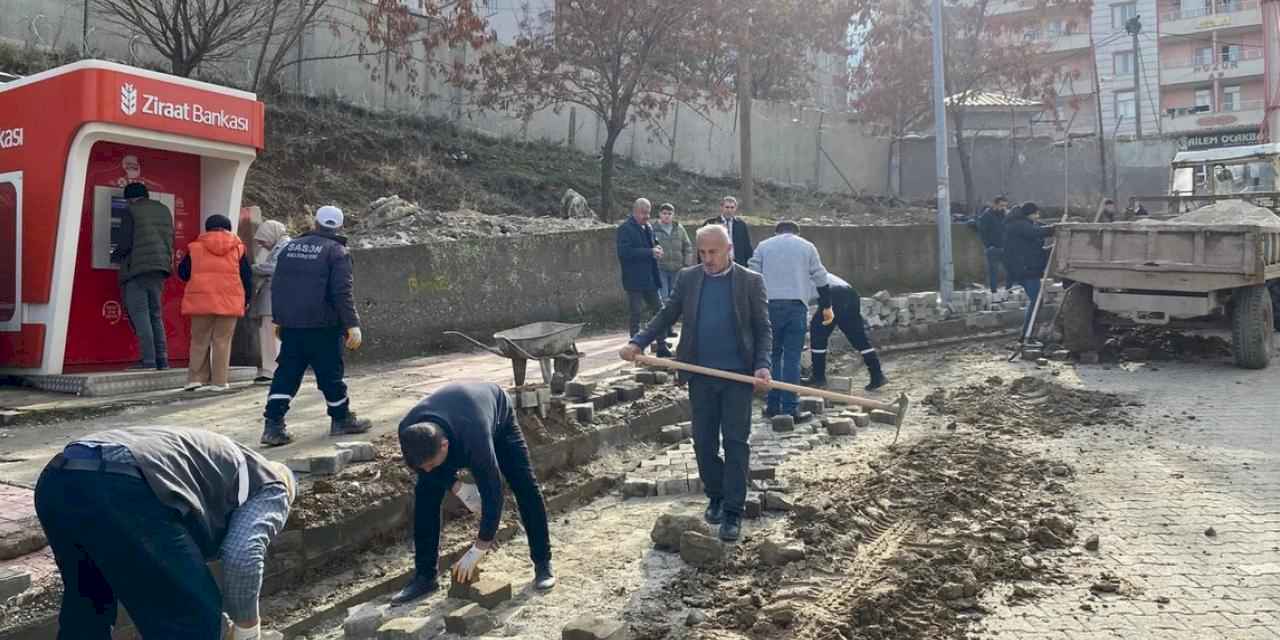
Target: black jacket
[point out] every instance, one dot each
(312, 285)
(635, 256)
(470, 415)
(740, 233)
(1024, 254)
(750, 309)
(991, 228)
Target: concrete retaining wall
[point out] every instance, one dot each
(408, 296)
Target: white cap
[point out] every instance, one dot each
(329, 217)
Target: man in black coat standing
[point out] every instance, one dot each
(991, 231)
(1024, 252)
(638, 255)
(739, 233)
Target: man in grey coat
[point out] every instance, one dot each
(726, 327)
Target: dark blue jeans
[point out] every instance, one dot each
(143, 300)
(789, 319)
(1032, 287)
(995, 262)
(722, 416)
(113, 541)
(513, 462)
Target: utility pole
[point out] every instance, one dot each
(1134, 27)
(744, 118)
(84, 31)
(946, 271)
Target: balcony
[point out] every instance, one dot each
(1242, 14)
(1192, 119)
(1246, 64)
(1058, 41)
(1011, 7)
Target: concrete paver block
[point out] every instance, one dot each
(755, 504)
(360, 451)
(594, 628)
(628, 392)
(812, 404)
(330, 463)
(471, 620)
(405, 629)
(671, 434)
(763, 473)
(580, 390)
(364, 620)
(604, 399)
(840, 427)
(639, 488)
(583, 412)
(645, 377)
(491, 592)
(13, 582)
(783, 423)
(883, 417)
(700, 550)
(861, 419)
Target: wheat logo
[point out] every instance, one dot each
(128, 99)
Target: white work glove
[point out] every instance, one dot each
(246, 633)
(465, 569)
(354, 338)
(469, 494)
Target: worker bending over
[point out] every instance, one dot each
(848, 310)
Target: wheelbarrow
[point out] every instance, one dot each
(550, 343)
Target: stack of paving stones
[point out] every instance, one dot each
(473, 615)
(532, 397)
(773, 441)
(333, 462)
(887, 310)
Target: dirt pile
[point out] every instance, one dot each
(394, 222)
(1029, 404)
(1228, 212)
(358, 487)
(1156, 343)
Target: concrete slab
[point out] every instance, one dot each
(115, 383)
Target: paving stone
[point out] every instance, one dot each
(471, 620)
(755, 504)
(364, 620)
(629, 392)
(803, 416)
(360, 451)
(604, 399)
(491, 592)
(528, 399)
(645, 377)
(584, 412)
(405, 629)
(13, 581)
(840, 427)
(673, 486)
(580, 390)
(1032, 354)
(783, 423)
(700, 550)
(639, 488)
(661, 377)
(777, 552)
(883, 417)
(330, 463)
(763, 473)
(813, 404)
(774, 501)
(861, 419)
(671, 434)
(544, 394)
(668, 528)
(298, 465)
(592, 627)
(840, 384)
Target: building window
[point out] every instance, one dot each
(1121, 13)
(1122, 63)
(1125, 106)
(1231, 53)
(1203, 56)
(1204, 100)
(1231, 98)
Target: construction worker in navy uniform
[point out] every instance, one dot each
(848, 311)
(314, 309)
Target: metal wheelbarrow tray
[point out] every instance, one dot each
(552, 344)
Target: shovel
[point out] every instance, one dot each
(897, 407)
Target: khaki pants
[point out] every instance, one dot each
(269, 346)
(210, 349)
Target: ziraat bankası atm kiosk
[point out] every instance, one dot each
(71, 138)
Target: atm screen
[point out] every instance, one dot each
(119, 206)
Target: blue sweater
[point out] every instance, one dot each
(470, 415)
(717, 328)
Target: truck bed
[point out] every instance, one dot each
(1164, 256)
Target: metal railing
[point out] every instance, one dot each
(1245, 54)
(1210, 9)
(1206, 110)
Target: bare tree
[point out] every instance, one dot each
(286, 23)
(189, 33)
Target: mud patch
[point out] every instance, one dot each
(1027, 404)
(335, 498)
(1155, 343)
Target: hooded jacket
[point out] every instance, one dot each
(219, 280)
(275, 234)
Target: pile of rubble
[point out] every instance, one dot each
(395, 222)
(887, 310)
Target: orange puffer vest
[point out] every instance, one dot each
(215, 288)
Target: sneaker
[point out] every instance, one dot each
(715, 511)
(417, 589)
(275, 433)
(162, 365)
(877, 382)
(217, 388)
(731, 528)
(349, 425)
(543, 578)
(193, 386)
(262, 380)
(141, 366)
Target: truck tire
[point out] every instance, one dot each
(1078, 320)
(1252, 327)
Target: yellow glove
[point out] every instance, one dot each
(828, 316)
(354, 338)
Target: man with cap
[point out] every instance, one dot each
(145, 255)
(470, 426)
(791, 268)
(313, 305)
(133, 515)
(848, 311)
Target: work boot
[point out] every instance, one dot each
(349, 425)
(818, 372)
(731, 528)
(417, 589)
(878, 379)
(275, 433)
(543, 578)
(715, 511)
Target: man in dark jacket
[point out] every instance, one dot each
(313, 305)
(638, 256)
(991, 231)
(473, 427)
(133, 515)
(1024, 252)
(726, 326)
(145, 256)
(739, 232)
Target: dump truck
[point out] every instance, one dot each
(1201, 178)
(1207, 269)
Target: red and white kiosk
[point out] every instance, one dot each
(70, 139)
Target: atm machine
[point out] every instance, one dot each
(71, 138)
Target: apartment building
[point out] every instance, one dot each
(1199, 67)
